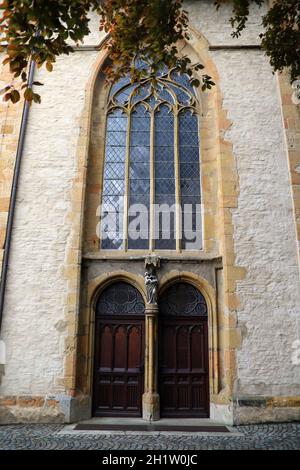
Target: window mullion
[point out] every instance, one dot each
(126, 195)
(177, 181)
(152, 182)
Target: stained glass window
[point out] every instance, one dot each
(182, 299)
(139, 179)
(151, 188)
(120, 298)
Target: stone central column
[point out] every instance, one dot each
(151, 405)
(150, 396)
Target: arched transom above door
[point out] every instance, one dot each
(119, 351)
(120, 298)
(182, 299)
(183, 359)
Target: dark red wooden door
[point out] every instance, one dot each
(183, 362)
(119, 352)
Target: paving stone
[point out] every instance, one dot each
(285, 436)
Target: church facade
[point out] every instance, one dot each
(154, 261)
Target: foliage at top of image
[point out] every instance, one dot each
(42, 30)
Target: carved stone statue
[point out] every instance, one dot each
(151, 281)
(151, 284)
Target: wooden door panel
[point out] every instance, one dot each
(183, 367)
(119, 357)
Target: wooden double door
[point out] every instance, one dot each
(120, 345)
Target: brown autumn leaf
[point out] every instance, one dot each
(15, 96)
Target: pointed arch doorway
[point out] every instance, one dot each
(119, 352)
(183, 364)
(183, 372)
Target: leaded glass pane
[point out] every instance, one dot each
(189, 181)
(189, 187)
(138, 227)
(152, 101)
(141, 243)
(164, 154)
(139, 179)
(183, 79)
(112, 222)
(114, 170)
(139, 199)
(164, 95)
(164, 176)
(191, 240)
(164, 199)
(182, 299)
(164, 138)
(114, 181)
(188, 139)
(139, 186)
(165, 169)
(123, 96)
(189, 123)
(189, 154)
(115, 154)
(120, 298)
(165, 225)
(164, 121)
(165, 186)
(141, 93)
(163, 71)
(115, 187)
(113, 242)
(191, 223)
(140, 154)
(117, 86)
(190, 219)
(182, 97)
(117, 122)
(189, 201)
(116, 139)
(140, 139)
(166, 244)
(189, 170)
(139, 170)
(112, 203)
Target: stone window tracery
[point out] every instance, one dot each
(152, 166)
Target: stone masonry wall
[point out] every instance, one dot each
(264, 226)
(34, 326)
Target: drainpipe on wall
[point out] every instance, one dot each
(13, 195)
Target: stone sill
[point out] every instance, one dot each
(192, 257)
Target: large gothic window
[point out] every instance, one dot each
(151, 184)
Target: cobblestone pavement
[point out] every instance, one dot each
(49, 436)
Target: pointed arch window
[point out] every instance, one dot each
(151, 183)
